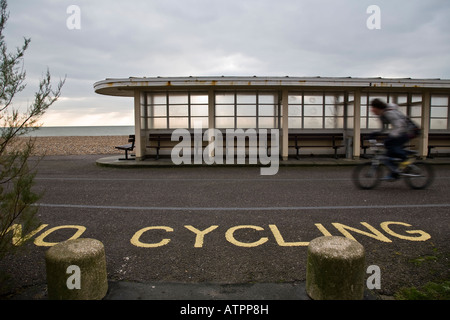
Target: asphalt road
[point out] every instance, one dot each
(232, 225)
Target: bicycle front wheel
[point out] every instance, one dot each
(367, 176)
(418, 175)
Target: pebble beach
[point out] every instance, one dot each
(78, 145)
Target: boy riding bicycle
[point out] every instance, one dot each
(398, 135)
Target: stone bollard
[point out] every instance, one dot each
(76, 270)
(335, 269)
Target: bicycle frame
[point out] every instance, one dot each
(367, 175)
(380, 154)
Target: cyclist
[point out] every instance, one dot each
(389, 114)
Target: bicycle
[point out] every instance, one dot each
(367, 175)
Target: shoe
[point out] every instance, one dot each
(404, 164)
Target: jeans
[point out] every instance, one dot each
(395, 149)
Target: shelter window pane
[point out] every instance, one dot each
(350, 122)
(267, 110)
(295, 99)
(246, 98)
(403, 109)
(363, 123)
(157, 123)
(178, 98)
(334, 99)
(334, 110)
(416, 111)
(350, 110)
(374, 123)
(295, 111)
(246, 110)
(199, 110)
(313, 99)
(199, 98)
(438, 124)
(400, 99)
(382, 97)
(334, 122)
(225, 110)
(266, 99)
(266, 122)
(158, 111)
(313, 122)
(295, 123)
(313, 110)
(439, 112)
(199, 122)
(181, 110)
(225, 98)
(225, 122)
(246, 122)
(158, 98)
(364, 111)
(364, 100)
(439, 101)
(416, 98)
(175, 123)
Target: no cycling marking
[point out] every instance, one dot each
(394, 229)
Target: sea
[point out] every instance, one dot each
(83, 131)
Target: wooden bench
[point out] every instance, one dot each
(365, 145)
(440, 140)
(159, 138)
(127, 147)
(246, 137)
(334, 140)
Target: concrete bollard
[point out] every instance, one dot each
(76, 270)
(335, 269)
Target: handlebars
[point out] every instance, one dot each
(374, 144)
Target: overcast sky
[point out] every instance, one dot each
(119, 39)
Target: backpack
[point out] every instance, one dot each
(412, 129)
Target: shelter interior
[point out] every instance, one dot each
(315, 116)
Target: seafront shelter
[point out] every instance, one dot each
(314, 115)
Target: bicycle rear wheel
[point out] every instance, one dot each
(367, 176)
(418, 175)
